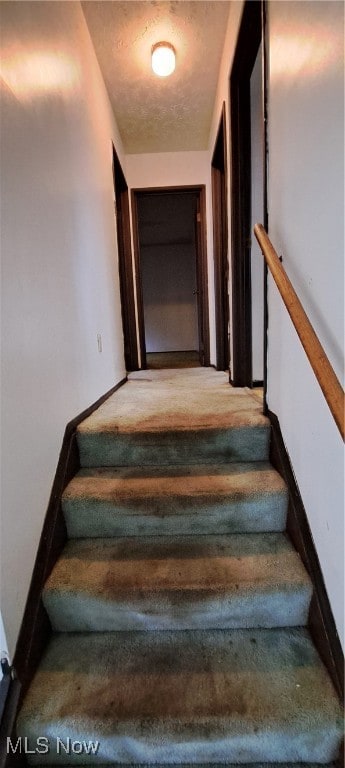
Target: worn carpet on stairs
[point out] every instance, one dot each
(179, 606)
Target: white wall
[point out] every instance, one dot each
(164, 169)
(306, 216)
(60, 285)
(257, 263)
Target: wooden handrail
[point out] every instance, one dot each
(328, 381)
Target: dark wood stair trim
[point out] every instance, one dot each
(321, 623)
(35, 628)
(9, 701)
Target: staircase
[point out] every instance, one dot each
(179, 605)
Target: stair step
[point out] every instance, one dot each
(217, 696)
(142, 424)
(127, 501)
(181, 582)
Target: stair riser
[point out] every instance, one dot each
(95, 519)
(108, 449)
(77, 613)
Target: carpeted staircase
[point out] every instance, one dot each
(179, 604)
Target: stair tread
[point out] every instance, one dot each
(193, 696)
(142, 406)
(178, 582)
(186, 562)
(175, 420)
(204, 499)
(236, 481)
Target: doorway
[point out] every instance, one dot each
(248, 199)
(220, 245)
(171, 272)
(125, 265)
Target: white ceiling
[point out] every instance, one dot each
(159, 114)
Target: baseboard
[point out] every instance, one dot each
(35, 628)
(9, 699)
(321, 622)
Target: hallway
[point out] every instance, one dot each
(179, 606)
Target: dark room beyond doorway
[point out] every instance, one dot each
(168, 271)
(168, 265)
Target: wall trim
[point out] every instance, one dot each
(5, 684)
(219, 185)
(35, 629)
(247, 46)
(126, 272)
(321, 623)
(9, 699)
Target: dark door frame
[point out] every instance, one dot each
(126, 274)
(248, 43)
(220, 244)
(201, 266)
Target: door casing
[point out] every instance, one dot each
(126, 275)
(201, 266)
(220, 244)
(249, 39)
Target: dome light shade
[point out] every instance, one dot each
(163, 59)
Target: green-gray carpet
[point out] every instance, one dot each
(179, 605)
(175, 417)
(198, 696)
(174, 582)
(199, 499)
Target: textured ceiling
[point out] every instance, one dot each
(159, 114)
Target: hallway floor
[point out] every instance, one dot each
(194, 397)
(194, 412)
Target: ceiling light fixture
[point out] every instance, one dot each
(163, 58)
